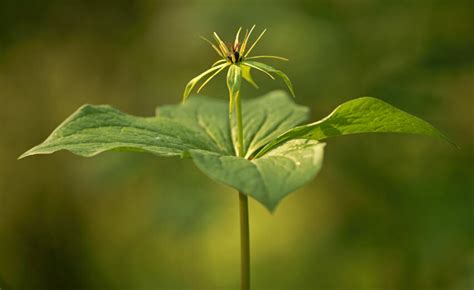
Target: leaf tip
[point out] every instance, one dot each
(24, 155)
(28, 153)
(271, 207)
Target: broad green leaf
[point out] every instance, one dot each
(201, 123)
(266, 68)
(267, 117)
(269, 178)
(206, 115)
(278, 159)
(95, 129)
(362, 115)
(198, 128)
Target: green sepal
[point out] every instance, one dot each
(269, 69)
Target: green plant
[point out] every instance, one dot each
(268, 158)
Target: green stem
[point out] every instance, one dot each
(244, 243)
(240, 129)
(244, 209)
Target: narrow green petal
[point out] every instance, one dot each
(246, 39)
(250, 64)
(256, 41)
(222, 46)
(267, 56)
(212, 45)
(211, 77)
(192, 83)
(268, 68)
(220, 61)
(236, 41)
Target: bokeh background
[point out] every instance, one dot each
(387, 211)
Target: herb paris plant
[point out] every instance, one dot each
(260, 151)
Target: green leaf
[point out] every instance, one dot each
(275, 164)
(177, 129)
(206, 115)
(267, 117)
(200, 123)
(269, 178)
(196, 128)
(248, 76)
(362, 115)
(269, 69)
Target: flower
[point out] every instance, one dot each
(236, 58)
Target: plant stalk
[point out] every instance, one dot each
(243, 205)
(244, 243)
(240, 129)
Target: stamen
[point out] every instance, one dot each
(256, 41)
(236, 41)
(246, 39)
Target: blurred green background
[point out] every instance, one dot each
(386, 212)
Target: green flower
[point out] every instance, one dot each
(236, 58)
